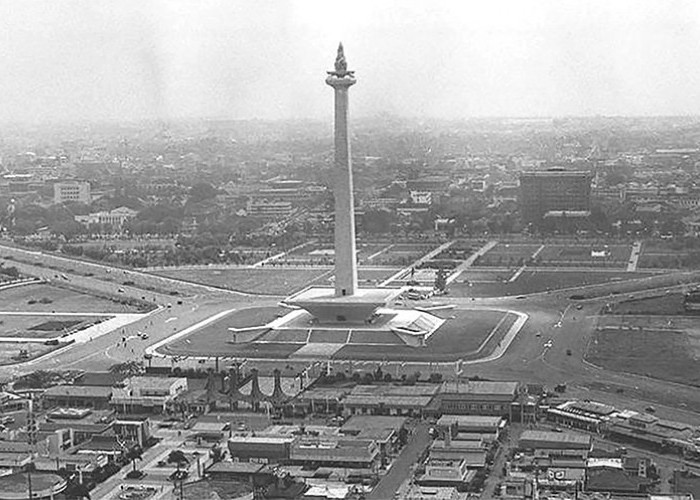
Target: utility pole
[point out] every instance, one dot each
(31, 440)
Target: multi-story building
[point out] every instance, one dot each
(554, 191)
(72, 192)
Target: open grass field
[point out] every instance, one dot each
(534, 281)
(667, 305)
(48, 298)
(402, 254)
(272, 280)
(583, 255)
(507, 255)
(667, 355)
(264, 280)
(687, 482)
(647, 282)
(665, 254)
(10, 351)
(458, 338)
(43, 327)
(286, 335)
(483, 276)
(368, 275)
(254, 316)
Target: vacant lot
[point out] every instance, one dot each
(12, 352)
(48, 298)
(666, 355)
(43, 327)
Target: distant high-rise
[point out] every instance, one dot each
(345, 260)
(554, 192)
(72, 191)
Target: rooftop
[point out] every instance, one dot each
(79, 391)
(470, 421)
(480, 387)
(237, 467)
(555, 437)
(379, 296)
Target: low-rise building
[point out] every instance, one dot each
(261, 449)
(147, 394)
(446, 472)
(544, 440)
(389, 400)
(475, 398)
(75, 396)
(335, 452)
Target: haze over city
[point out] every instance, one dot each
(86, 60)
(454, 257)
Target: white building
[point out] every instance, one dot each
(116, 218)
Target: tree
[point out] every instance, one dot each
(178, 458)
(202, 191)
(133, 455)
(440, 279)
(128, 368)
(217, 453)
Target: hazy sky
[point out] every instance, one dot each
(122, 59)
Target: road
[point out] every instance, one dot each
(402, 466)
(525, 359)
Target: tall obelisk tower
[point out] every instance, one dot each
(345, 260)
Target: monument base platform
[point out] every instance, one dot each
(389, 327)
(358, 309)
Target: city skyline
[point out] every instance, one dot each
(73, 61)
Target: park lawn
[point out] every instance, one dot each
(668, 305)
(253, 316)
(535, 281)
(665, 355)
(48, 298)
(264, 280)
(582, 253)
(370, 337)
(369, 275)
(286, 335)
(458, 338)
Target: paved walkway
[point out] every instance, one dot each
(634, 257)
(522, 268)
(402, 466)
(417, 263)
(470, 261)
(281, 254)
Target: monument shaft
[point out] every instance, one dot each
(345, 259)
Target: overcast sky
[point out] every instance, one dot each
(122, 59)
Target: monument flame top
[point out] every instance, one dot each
(341, 65)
